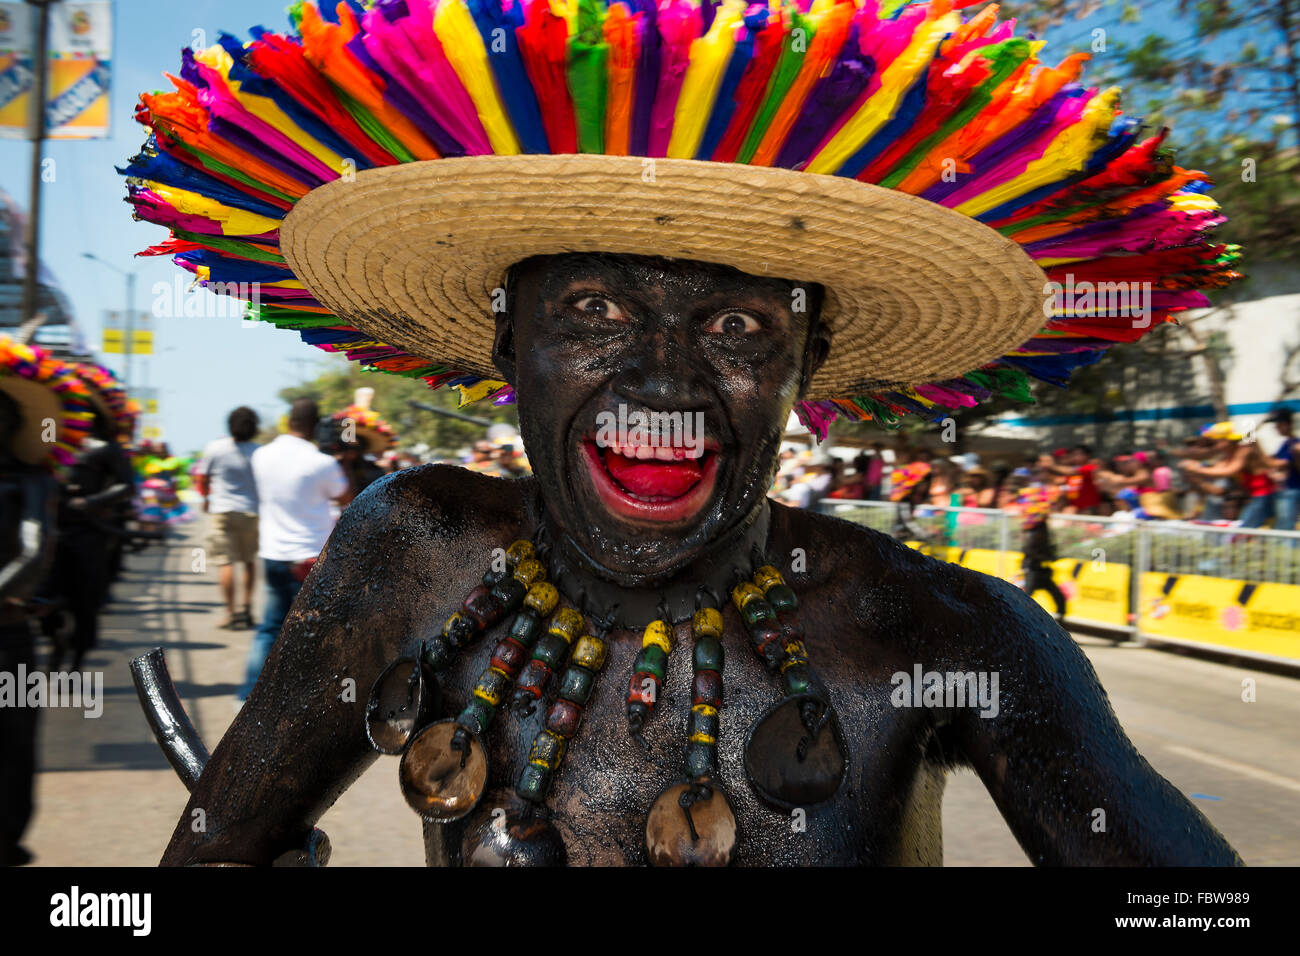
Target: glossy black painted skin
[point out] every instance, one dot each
(409, 548)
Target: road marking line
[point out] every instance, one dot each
(1246, 770)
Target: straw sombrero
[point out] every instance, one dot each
(373, 174)
(46, 391)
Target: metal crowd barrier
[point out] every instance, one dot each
(1231, 589)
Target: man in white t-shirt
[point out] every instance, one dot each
(296, 483)
(224, 476)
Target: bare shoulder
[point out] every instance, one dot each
(931, 606)
(409, 540)
(439, 497)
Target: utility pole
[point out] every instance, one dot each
(36, 132)
(129, 320)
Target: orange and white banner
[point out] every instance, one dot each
(79, 64)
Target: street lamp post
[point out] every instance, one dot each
(129, 324)
(36, 133)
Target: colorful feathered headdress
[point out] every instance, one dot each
(977, 217)
(369, 429)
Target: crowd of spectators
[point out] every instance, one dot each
(1220, 474)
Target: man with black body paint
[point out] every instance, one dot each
(583, 334)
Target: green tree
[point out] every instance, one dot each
(442, 434)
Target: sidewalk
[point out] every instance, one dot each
(106, 796)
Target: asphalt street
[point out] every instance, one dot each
(106, 795)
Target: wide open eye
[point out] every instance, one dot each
(599, 307)
(734, 322)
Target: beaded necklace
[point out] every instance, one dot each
(789, 758)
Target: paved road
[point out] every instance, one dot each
(107, 796)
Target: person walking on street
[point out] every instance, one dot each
(296, 482)
(224, 476)
(1287, 497)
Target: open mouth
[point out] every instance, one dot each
(659, 483)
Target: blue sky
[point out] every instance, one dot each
(203, 366)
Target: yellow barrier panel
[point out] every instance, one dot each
(1260, 618)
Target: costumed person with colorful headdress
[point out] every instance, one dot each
(44, 416)
(95, 502)
(357, 437)
(1035, 504)
(909, 486)
(661, 228)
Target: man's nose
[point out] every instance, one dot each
(664, 378)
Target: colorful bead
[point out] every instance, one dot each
(477, 715)
(491, 578)
(534, 781)
(482, 608)
(706, 688)
(568, 624)
(526, 628)
(541, 598)
(755, 612)
(492, 684)
(547, 750)
(782, 598)
(438, 653)
(643, 689)
(588, 652)
(563, 718)
(533, 679)
(576, 684)
(743, 593)
(703, 724)
(459, 630)
(509, 657)
(520, 551)
(767, 577)
(707, 622)
(700, 759)
(658, 634)
(530, 572)
(509, 594)
(797, 679)
(652, 660)
(551, 650)
(708, 654)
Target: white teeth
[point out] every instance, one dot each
(645, 452)
(663, 453)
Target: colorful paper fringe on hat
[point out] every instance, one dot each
(36, 365)
(914, 97)
(366, 418)
(110, 389)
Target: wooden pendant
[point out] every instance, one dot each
(438, 781)
(690, 824)
(790, 766)
(403, 698)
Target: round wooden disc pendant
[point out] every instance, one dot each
(705, 837)
(440, 783)
(773, 751)
(403, 698)
(502, 839)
